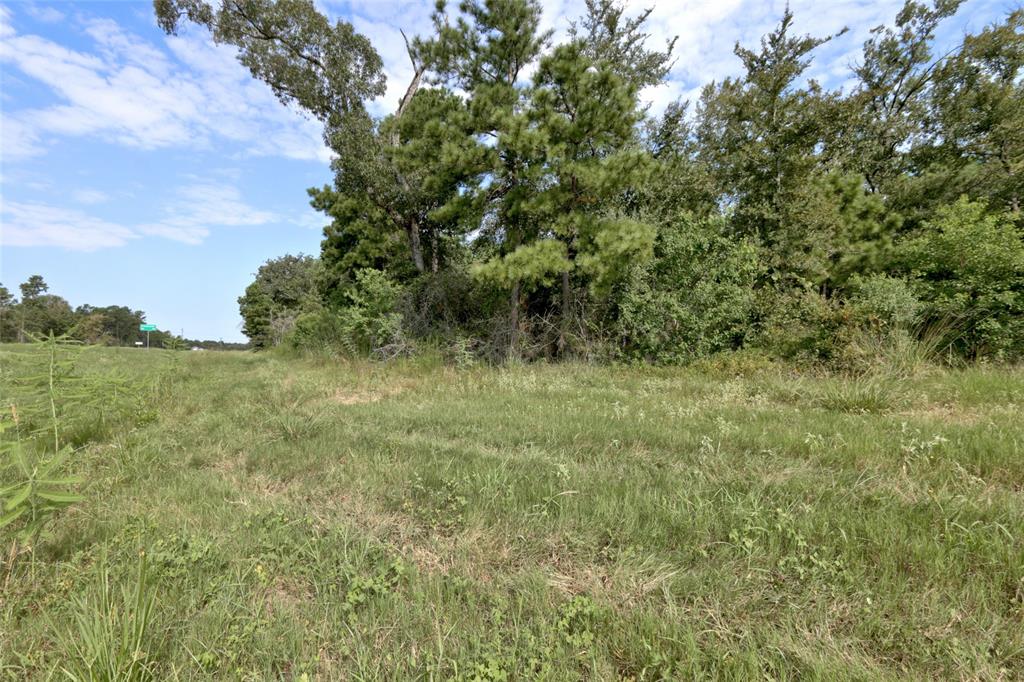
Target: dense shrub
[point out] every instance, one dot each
(884, 302)
(367, 323)
(693, 298)
(449, 303)
(797, 324)
(957, 284)
(465, 317)
(881, 327)
(320, 331)
(967, 266)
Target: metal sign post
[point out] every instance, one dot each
(147, 328)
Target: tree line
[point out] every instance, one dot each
(523, 201)
(39, 313)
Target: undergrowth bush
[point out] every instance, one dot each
(967, 264)
(954, 288)
(880, 322)
(883, 302)
(797, 324)
(450, 303)
(367, 323)
(694, 298)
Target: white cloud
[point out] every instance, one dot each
(33, 224)
(186, 93)
(189, 217)
(240, 108)
(201, 206)
(46, 13)
(6, 30)
(17, 140)
(707, 33)
(89, 196)
(385, 32)
(310, 220)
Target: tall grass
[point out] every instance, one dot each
(902, 353)
(880, 362)
(112, 640)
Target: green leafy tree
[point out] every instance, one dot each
(328, 69)
(610, 37)
(39, 313)
(284, 287)
(353, 241)
(8, 315)
(844, 231)
(91, 328)
(762, 137)
(121, 323)
(975, 122)
(32, 288)
(682, 177)
(483, 51)
(587, 117)
(331, 71)
(890, 104)
(42, 314)
(553, 158)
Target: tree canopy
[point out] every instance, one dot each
(523, 200)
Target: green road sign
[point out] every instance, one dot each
(147, 327)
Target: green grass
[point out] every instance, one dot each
(408, 521)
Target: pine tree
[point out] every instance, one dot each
(483, 52)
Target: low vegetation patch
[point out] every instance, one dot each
(234, 519)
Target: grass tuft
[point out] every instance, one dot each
(111, 640)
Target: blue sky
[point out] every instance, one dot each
(152, 171)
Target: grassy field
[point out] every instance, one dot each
(306, 519)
